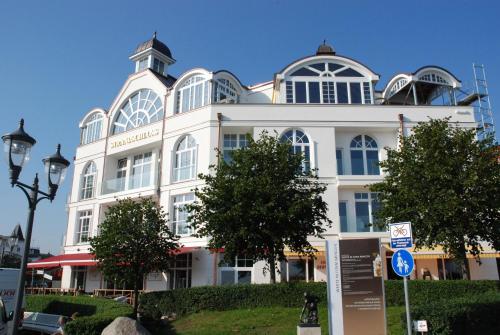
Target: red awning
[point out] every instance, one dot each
(63, 260)
(185, 250)
(81, 259)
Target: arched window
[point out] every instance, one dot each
(141, 108)
(225, 91)
(185, 159)
(91, 130)
(364, 156)
(328, 83)
(88, 181)
(300, 145)
(192, 94)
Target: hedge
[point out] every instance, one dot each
(185, 301)
(423, 291)
(469, 315)
(95, 313)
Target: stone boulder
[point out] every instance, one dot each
(125, 326)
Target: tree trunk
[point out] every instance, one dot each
(466, 268)
(272, 269)
(136, 298)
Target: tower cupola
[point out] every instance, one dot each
(152, 54)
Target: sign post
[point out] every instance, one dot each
(402, 260)
(355, 287)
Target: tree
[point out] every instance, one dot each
(447, 184)
(260, 203)
(134, 240)
(11, 260)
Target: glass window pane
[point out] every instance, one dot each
(227, 277)
(314, 92)
(343, 217)
(289, 92)
(342, 93)
(297, 270)
(300, 92)
(340, 163)
(372, 162)
(244, 277)
(357, 167)
(355, 93)
(362, 217)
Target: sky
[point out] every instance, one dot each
(59, 59)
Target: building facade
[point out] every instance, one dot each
(160, 132)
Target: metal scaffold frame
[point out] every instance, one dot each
(482, 107)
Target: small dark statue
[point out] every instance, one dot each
(309, 315)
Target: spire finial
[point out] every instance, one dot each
(324, 41)
(154, 35)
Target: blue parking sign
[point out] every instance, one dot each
(402, 263)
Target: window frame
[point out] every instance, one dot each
(91, 131)
(241, 142)
(364, 149)
(371, 198)
(141, 167)
(192, 154)
(178, 209)
(307, 163)
(327, 76)
(186, 99)
(236, 268)
(84, 218)
(88, 190)
(137, 111)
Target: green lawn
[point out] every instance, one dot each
(261, 321)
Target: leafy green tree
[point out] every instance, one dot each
(133, 240)
(264, 201)
(447, 184)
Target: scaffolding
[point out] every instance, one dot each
(478, 97)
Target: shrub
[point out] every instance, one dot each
(470, 315)
(96, 313)
(423, 291)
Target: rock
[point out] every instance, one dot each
(125, 326)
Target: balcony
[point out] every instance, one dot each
(126, 184)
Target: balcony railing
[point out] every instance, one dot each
(126, 184)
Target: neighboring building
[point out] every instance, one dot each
(13, 244)
(160, 133)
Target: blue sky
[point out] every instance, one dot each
(61, 58)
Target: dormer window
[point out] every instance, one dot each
(327, 83)
(158, 66)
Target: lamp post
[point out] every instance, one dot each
(17, 148)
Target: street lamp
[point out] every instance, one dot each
(17, 148)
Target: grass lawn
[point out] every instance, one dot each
(261, 321)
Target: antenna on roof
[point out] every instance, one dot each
(154, 35)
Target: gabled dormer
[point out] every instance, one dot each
(152, 54)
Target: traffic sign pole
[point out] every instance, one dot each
(407, 303)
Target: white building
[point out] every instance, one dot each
(161, 131)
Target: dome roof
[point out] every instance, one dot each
(325, 49)
(155, 44)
